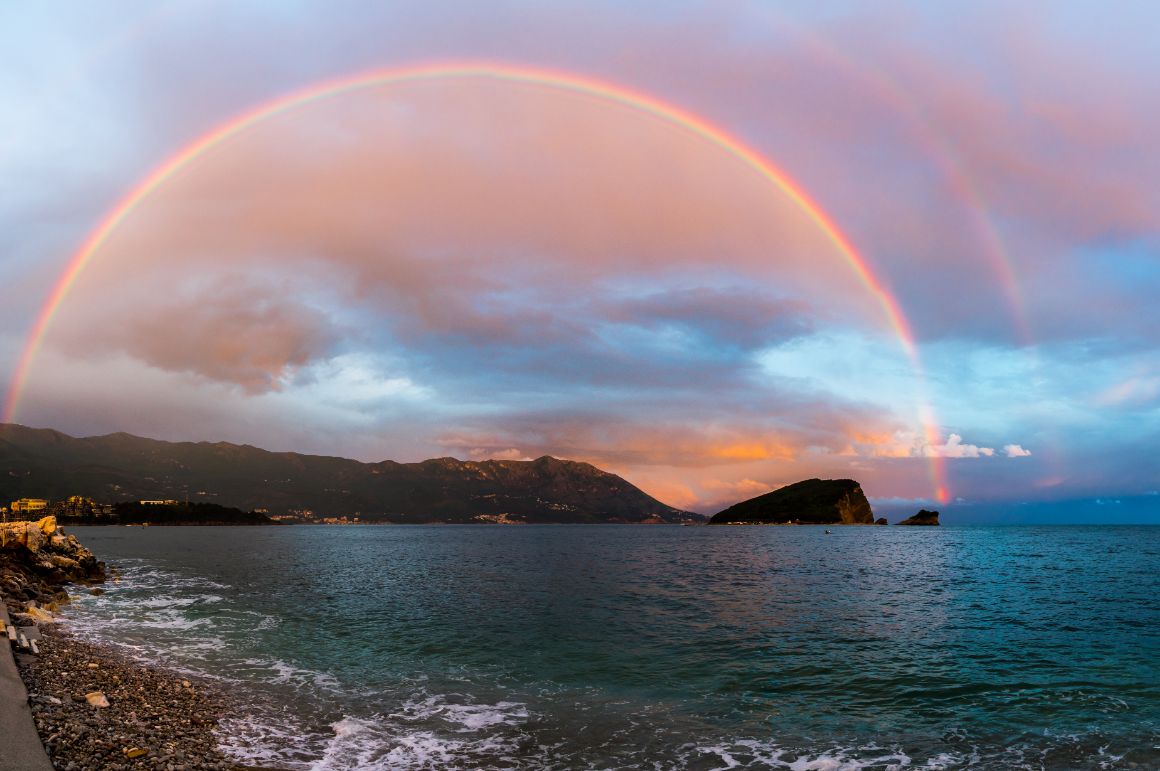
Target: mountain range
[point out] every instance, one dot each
(42, 463)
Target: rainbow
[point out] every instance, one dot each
(561, 81)
(880, 85)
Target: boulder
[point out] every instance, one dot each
(38, 614)
(923, 517)
(24, 535)
(881, 521)
(810, 502)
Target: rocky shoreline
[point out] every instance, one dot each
(153, 719)
(95, 709)
(37, 560)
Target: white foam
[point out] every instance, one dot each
(747, 753)
(371, 745)
(173, 620)
(463, 717)
(1108, 759)
(266, 739)
(169, 601)
(279, 672)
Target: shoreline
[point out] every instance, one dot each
(154, 719)
(93, 707)
(170, 716)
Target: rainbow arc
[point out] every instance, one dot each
(568, 82)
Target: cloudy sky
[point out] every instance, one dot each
(578, 229)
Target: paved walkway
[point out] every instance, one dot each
(21, 749)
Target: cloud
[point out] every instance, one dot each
(512, 453)
(745, 317)
(234, 334)
(613, 439)
(904, 444)
(954, 448)
(908, 444)
(581, 242)
(717, 494)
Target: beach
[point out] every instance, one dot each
(154, 719)
(93, 708)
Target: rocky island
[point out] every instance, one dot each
(810, 502)
(922, 518)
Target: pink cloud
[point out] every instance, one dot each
(387, 199)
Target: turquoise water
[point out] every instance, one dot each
(655, 647)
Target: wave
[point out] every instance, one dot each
(428, 732)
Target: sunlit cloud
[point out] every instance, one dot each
(511, 453)
(954, 448)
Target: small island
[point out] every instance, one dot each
(810, 502)
(922, 518)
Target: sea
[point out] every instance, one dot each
(652, 647)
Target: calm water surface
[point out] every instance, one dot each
(563, 647)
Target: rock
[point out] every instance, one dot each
(923, 517)
(27, 535)
(811, 502)
(881, 521)
(39, 615)
(38, 559)
(96, 591)
(67, 564)
(97, 699)
(132, 753)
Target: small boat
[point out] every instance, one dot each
(829, 532)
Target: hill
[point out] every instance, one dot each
(41, 463)
(810, 502)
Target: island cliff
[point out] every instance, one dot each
(811, 502)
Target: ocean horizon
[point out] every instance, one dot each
(605, 646)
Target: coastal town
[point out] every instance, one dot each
(79, 509)
(27, 509)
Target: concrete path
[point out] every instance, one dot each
(21, 749)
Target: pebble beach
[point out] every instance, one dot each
(93, 708)
(154, 719)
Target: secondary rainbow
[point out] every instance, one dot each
(497, 72)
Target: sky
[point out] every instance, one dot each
(715, 248)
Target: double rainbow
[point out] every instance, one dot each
(589, 87)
